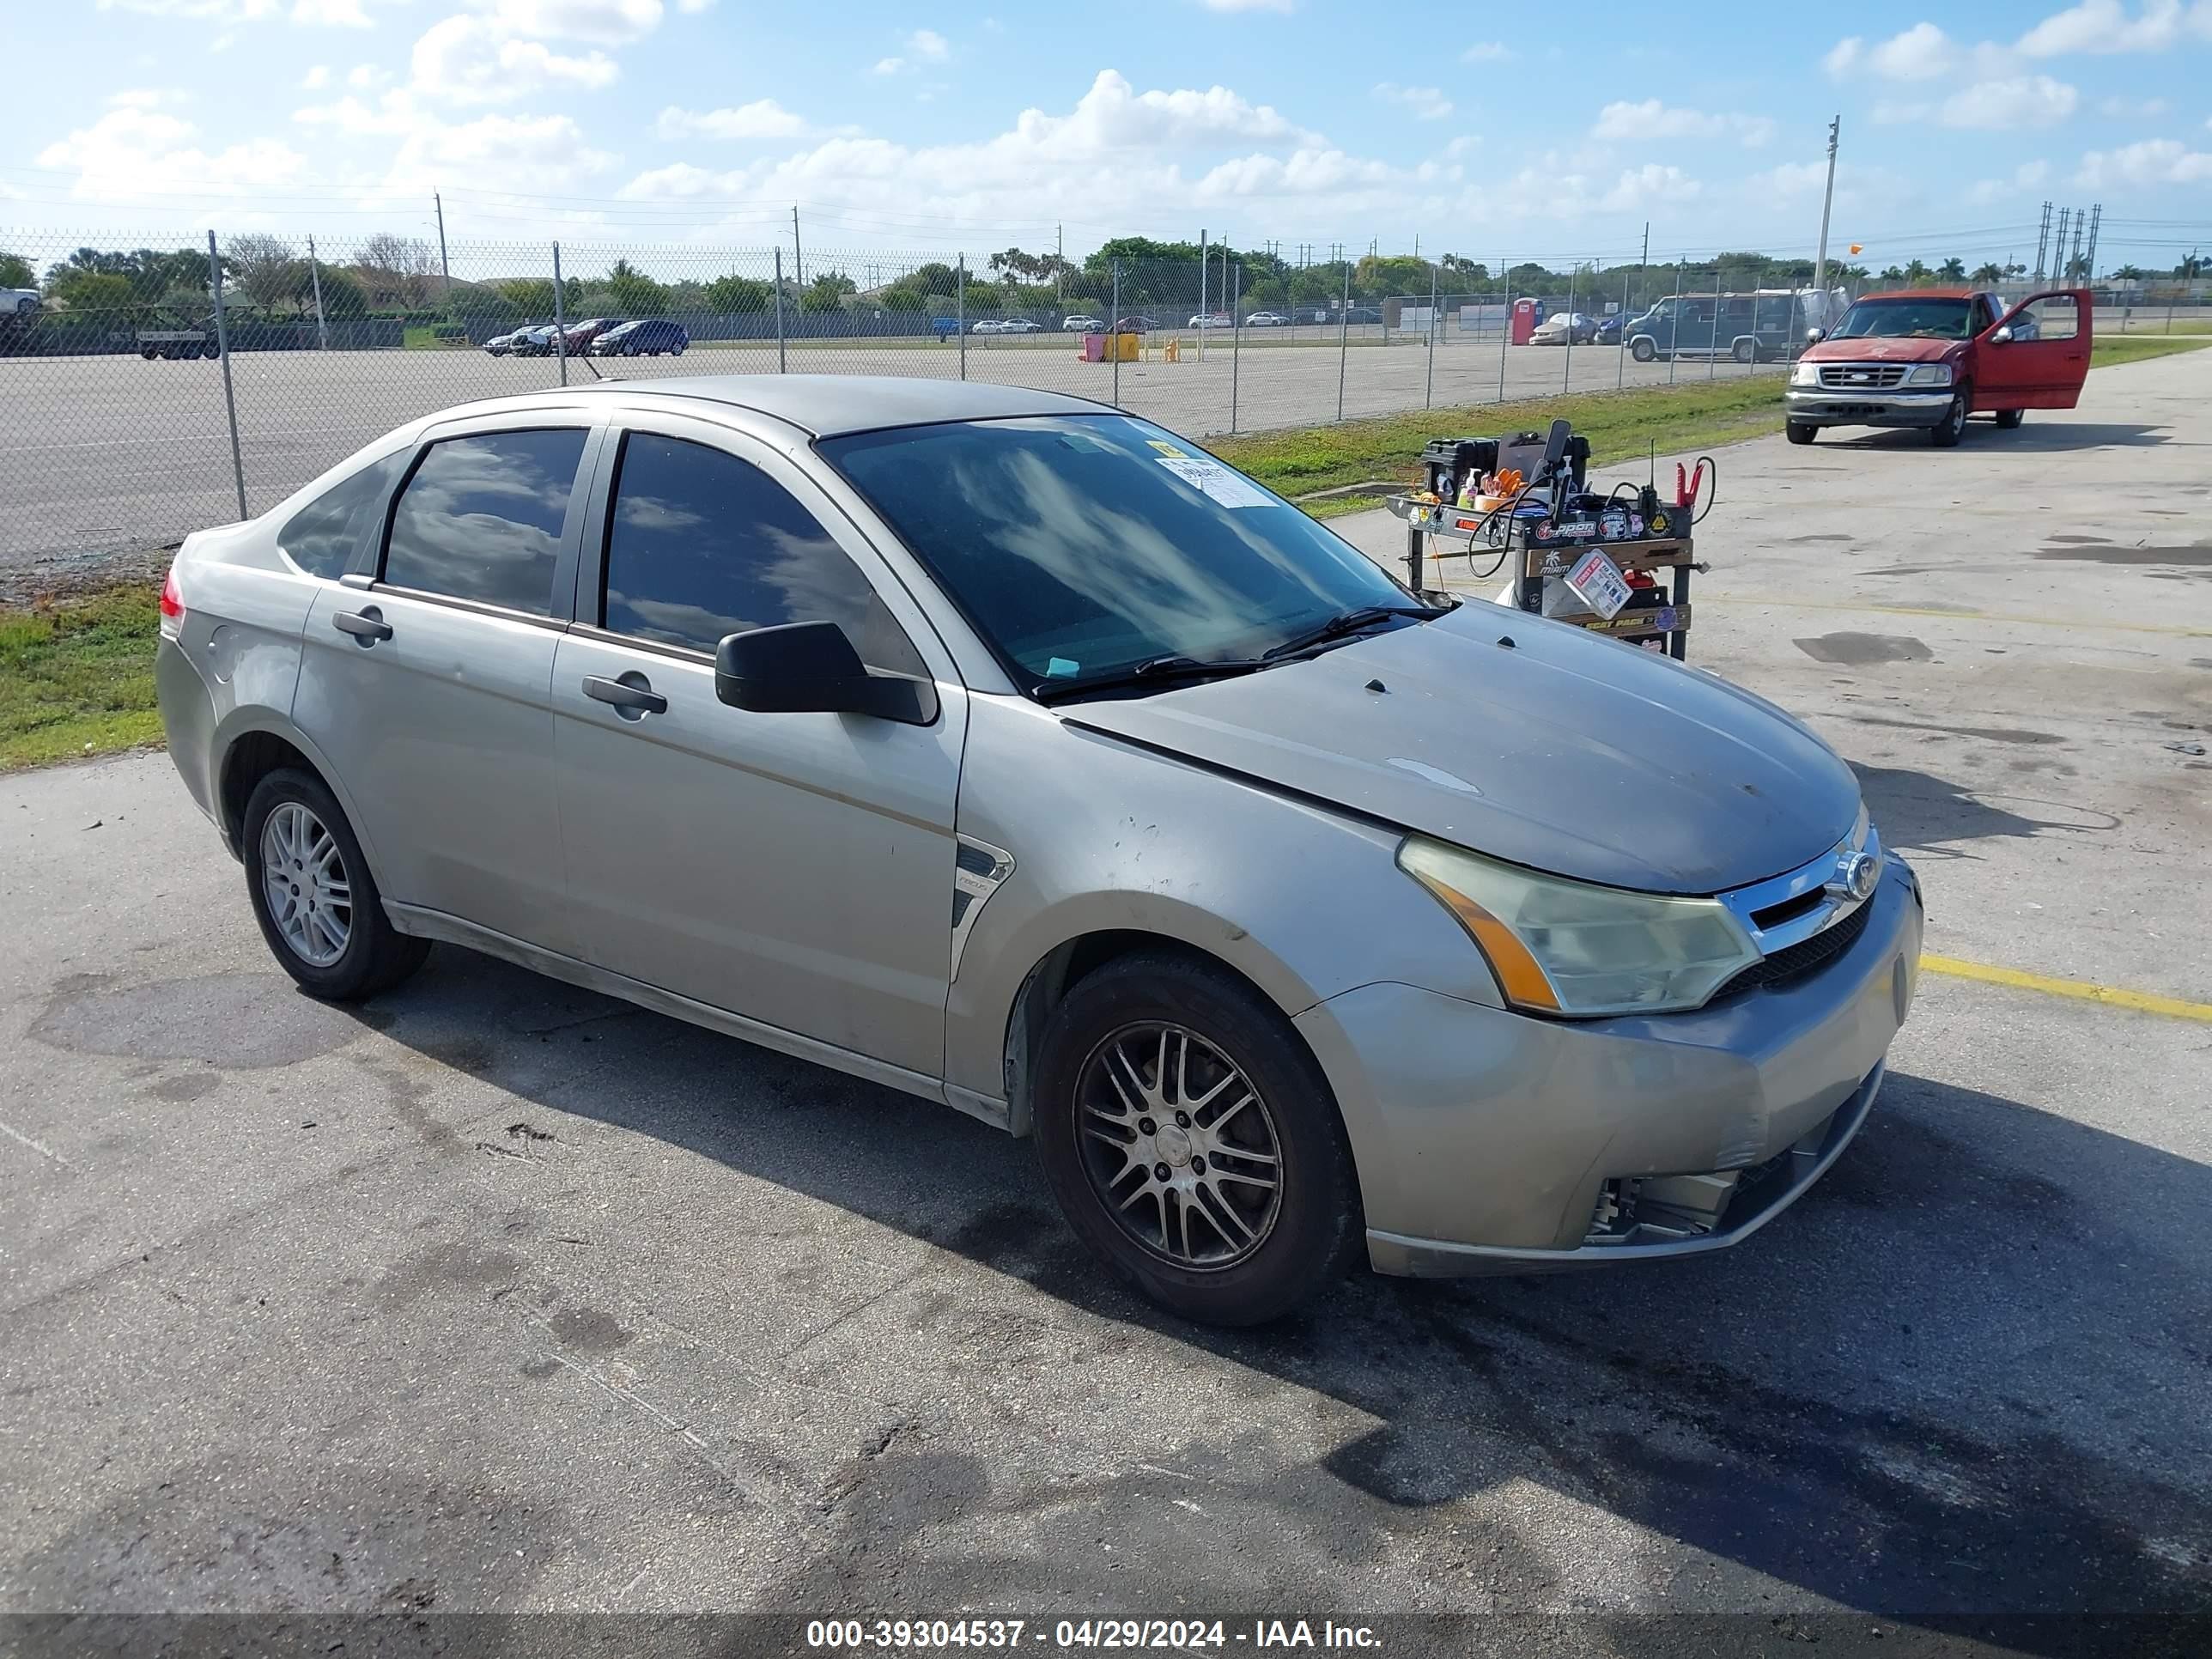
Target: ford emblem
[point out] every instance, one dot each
(1856, 874)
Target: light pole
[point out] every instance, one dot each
(1827, 200)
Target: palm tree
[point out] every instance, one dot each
(1952, 270)
(1918, 274)
(1989, 271)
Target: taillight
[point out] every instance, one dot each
(172, 604)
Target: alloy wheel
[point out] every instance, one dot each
(304, 880)
(1179, 1146)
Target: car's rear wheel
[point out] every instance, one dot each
(1643, 351)
(2010, 418)
(314, 896)
(1192, 1141)
(1800, 432)
(1946, 433)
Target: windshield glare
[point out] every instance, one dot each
(1083, 545)
(1905, 320)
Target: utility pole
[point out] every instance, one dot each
(2096, 215)
(443, 269)
(798, 259)
(2042, 242)
(1202, 293)
(315, 275)
(1059, 263)
(1828, 201)
(2058, 246)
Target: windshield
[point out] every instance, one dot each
(1905, 320)
(1083, 545)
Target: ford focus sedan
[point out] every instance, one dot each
(1010, 751)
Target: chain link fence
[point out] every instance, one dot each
(152, 385)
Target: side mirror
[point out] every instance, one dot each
(809, 668)
(1814, 336)
(2001, 335)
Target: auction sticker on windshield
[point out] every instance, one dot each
(1217, 481)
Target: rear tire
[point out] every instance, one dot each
(1800, 432)
(1945, 434)
(332, 935)
(1281, 1178)
(2010, 418)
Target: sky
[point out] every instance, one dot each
(930, 127)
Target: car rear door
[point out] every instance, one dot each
(427, 668)
(2044, 363)
(795, 869)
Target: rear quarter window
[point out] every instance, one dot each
(322, 537)
(482, 518)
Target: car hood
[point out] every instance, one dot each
(1563, 751)
(1881, 351)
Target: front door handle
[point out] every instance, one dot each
(367, 624)
(633, 694)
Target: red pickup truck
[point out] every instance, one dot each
(1929, 357)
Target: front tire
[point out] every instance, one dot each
(2010, 418)
(1945, 434)
(1800, 432)
(314, 896)
(1746, 351)
(1192, 1141)
(1643, 351)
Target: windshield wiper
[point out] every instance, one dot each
(1153, 671)
(1350, 623)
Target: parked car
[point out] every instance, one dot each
(500, 344)
(580, 335)
(1084, 325)
(1134, 325)
(648, 336)
(1020, 325)
(1747, 327)
(18, 301)
(1364, 314)
(844, 726)
(986, 325)
(533, 342)
(1265, 319)
(1563, 327)
(1210, 320)
(1929, 357)
(1608, 330)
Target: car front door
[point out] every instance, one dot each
(794, 869)
(427, 669)
(2046, 360)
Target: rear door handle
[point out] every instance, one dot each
(638, 699)
(367, 624)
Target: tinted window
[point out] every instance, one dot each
(1083, 545)
(481, 517)
(2054, 317)
(701, 544)
(320, 537)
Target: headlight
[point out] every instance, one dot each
(1567, 947)
(1929, 374)
(1805, 374)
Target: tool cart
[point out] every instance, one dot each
(1520, 508)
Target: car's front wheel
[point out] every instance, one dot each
(1643, 351)
(1800, 432)
(314, 896)
(1946, 433)
(1191, 1140)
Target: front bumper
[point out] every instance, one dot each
(1813, 405)
(1490, 1142)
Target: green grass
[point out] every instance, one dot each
(2111, 348)
(1621, 427)
(78, 675)
(417, 336)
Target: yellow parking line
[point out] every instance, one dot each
(1963, 615)
(2081, 989)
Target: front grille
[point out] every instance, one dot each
(1848, 377)
(1805, 957)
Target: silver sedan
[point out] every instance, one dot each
(1010, 750)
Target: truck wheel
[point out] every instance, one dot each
(1945, 434)
(1800, 432)
(1746, 351)
(1191, 1142)
(211, 351)
(1642, 349)
(148, 353)
(2010, 418)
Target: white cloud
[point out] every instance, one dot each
(2022, 101)
(890, 65)
(2153, 161)
(762, 118)
(317, 77)
(1486, 51)
(330, 14)
(1422, 103)
(1627, 123)
(2104, 27)
(199, 11)
(143, 98)
(2027, 177)
(928, 46)
(473, 60)
(1248, 5)
(367, 77)
(607, 22)
(1922, 52)
(136, 152)
(1651, 184)
(2133, 109)
(693, 5)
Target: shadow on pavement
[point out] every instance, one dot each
(2044, 432)
(1928, 817)
(1963, 1376)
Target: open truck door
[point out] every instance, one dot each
(2037, 356)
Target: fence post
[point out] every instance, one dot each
(1429, 391)
(960, 282)
(315, 276)
(1114, 334)
(779, 367)
(1567, 366)
(1236, 336)
(229, 396)
(1620, 376)
(1674, 328)
(1504, 325)
(1343, 338)
(559, 319)
(1713, 346)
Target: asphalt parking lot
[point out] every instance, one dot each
(496, 1295)
(108, 452)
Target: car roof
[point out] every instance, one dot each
(1923, 293)
(827, 405)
